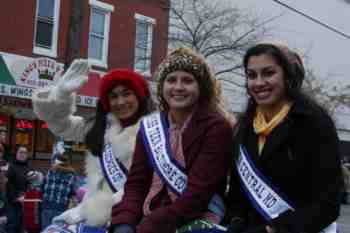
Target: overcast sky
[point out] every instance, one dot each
(329, 52)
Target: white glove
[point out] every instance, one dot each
(75, 77)
(71, 216)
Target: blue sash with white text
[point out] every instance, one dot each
(81, 227)
(113, 170)
(265, 197)
(156, 141)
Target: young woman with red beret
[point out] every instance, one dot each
(110, 136)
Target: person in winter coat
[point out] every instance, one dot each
(3, 142)
(3, 202)
(57, 189)
(346, 190)
(124, 98)
(286, 175)
(179, 169)
(4, 165)
(16, 187)
(32, 202)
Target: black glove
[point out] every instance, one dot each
(258, 229)
(236, 225)
(123, 228)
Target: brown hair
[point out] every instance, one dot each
(188, 60)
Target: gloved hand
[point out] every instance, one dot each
(236, 225)
(75, 77)
(123, 228)
(71, 216)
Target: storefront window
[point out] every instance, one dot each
(24, 134)
(44, 140)
(4, 121)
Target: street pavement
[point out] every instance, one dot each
(344, 219)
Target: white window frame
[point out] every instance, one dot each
(56, 19)
(151, 22)
(107, 9)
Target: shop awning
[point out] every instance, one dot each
(19, 76)
(5, 76)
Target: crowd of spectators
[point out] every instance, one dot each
(28, 198)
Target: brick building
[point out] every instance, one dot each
(40, 38)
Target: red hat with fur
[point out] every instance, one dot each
(126, 77)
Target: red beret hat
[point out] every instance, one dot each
(126, 77)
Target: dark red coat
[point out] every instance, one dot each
(207, 146)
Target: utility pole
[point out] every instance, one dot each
(75, 31)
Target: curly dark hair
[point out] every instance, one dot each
(294, 74)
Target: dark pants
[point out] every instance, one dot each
(15, 218)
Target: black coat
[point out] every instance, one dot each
(300, 157)
(17, 183)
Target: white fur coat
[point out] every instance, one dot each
(57, 110)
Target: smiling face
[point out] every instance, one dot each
(265, 82)
(123, 102)
(180, 91)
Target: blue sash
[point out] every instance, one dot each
(156, 140)
(62, 227)
(155, 135)
(265, 197)
(82, 228)
(113, 170)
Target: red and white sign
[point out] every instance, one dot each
(31, 73)
(40, 72)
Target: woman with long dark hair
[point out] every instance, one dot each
(286, 175)
(124, 98)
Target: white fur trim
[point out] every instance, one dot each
(97, 209)
(52, 106)
(99, 195)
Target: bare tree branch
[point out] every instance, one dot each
(330, 95)
(220, 32)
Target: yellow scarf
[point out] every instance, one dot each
(263, 128)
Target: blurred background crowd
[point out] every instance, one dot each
(29, 198)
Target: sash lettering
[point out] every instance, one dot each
(157, 145)
(156, 140)
(266, 198)
(113, 170)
